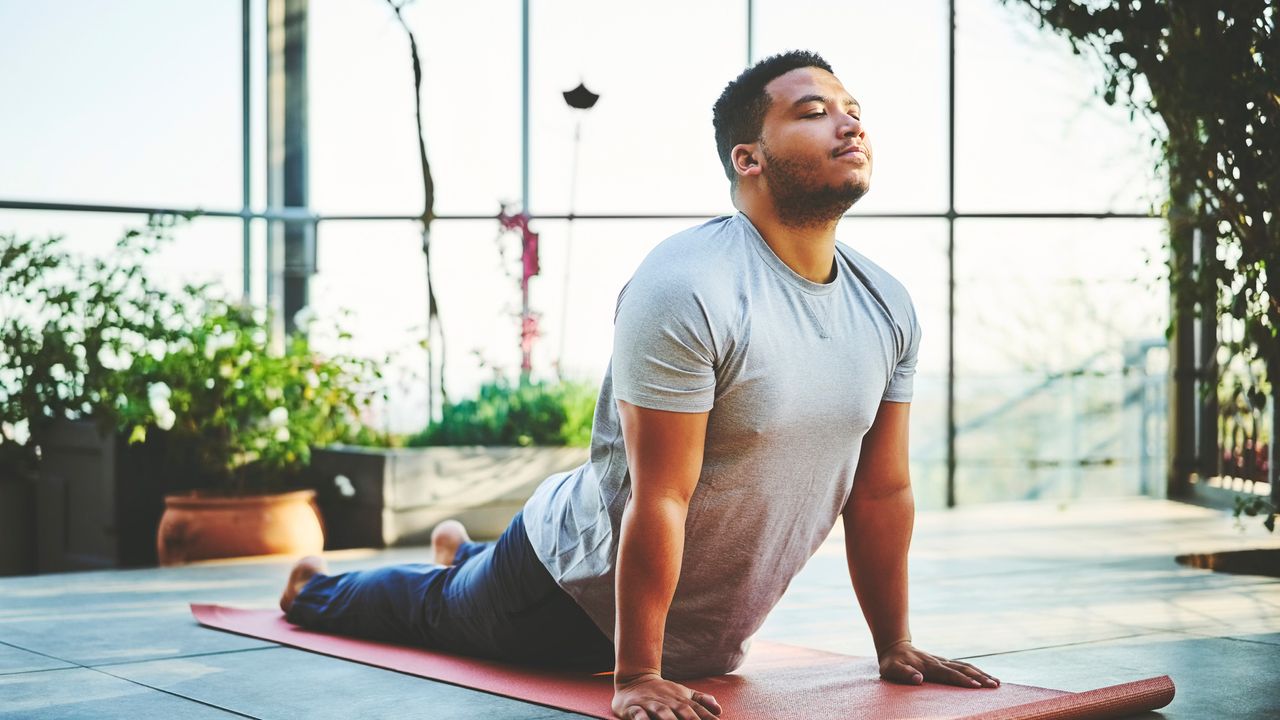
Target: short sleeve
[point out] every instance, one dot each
(902, 381)
(663, 349)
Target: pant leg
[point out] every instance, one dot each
(468, 550)
(497, 602)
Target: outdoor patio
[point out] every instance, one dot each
(1067, 597)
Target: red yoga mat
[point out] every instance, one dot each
(777, 682)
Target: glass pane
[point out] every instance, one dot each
(1031, 132)
(915, 252)
(121, 103)
(1059, 339)
(364, 153)
(205, 249)
(893, 58)
(647, 146)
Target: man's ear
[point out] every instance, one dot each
(746, 159)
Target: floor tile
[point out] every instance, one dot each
(287, 683)
(93, 636)
(1215, 677)
(81, 694)
(15, 660)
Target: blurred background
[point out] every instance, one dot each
(1021, 211)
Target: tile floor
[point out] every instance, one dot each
(1070, 597)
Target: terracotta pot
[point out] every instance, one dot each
(197, 526)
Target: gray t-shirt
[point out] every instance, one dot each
(792, 372)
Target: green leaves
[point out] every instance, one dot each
(1213, 81)
(523, 415)
(182, 370)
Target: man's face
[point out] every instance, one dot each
(816, 160)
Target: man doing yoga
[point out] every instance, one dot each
(758, 391)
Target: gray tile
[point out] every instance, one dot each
(92, 636)
(80, 694)
(1211, 674)
(14, 660)
(287, 683)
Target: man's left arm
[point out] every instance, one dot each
(878, 519)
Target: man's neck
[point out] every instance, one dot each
(810, 251)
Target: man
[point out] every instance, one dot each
(759, 389)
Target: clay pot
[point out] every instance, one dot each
(198, 526)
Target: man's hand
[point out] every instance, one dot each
(903, 663)
(649, 697)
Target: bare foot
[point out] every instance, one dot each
(303, 570)
(446, 539)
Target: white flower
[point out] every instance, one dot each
(274, 393)
(217, 342)
(259, 316)
(259, 337)
(160, 406)
(115, 361)
(19, 432)
(209, 383)
(57, 372)
(155, 390)
(244, 358)
(304, 317)
(157, 350)
(343, 483)
(239, 384)
(225, 370)
(165, 420)
(282, 434)
(278, 416)
(313, 379)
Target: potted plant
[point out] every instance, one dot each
(60, 318)
(204, 407)
(236, 422)
(479, 463)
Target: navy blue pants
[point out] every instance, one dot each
(496, 601)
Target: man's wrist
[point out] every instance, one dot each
(627, 676)
(890, 646)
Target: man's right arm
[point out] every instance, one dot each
(664, 458)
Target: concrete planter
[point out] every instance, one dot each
(97, 501)
(375, 497)
(17, 527)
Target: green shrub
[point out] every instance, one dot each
(524, 414)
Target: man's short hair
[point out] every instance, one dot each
(738, 116)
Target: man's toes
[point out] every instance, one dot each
(446, 538)
(303, 570)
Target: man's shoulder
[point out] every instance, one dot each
(700, 259)
(875, 277)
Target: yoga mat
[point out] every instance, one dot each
(777, 682)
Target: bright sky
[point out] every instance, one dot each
(138, 102)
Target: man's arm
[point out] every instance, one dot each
(664, 457)
(878, 519)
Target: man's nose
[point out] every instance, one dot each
(851, 128)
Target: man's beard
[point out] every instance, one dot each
(800, 199)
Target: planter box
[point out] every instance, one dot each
(374, 497)
(17, 529)
(98, 501)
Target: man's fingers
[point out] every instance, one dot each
(658, 711)
(702, 712)
(977, 674)
(707, 701)
(952, 676)
(900, 671)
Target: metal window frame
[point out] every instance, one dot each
(306, 215)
